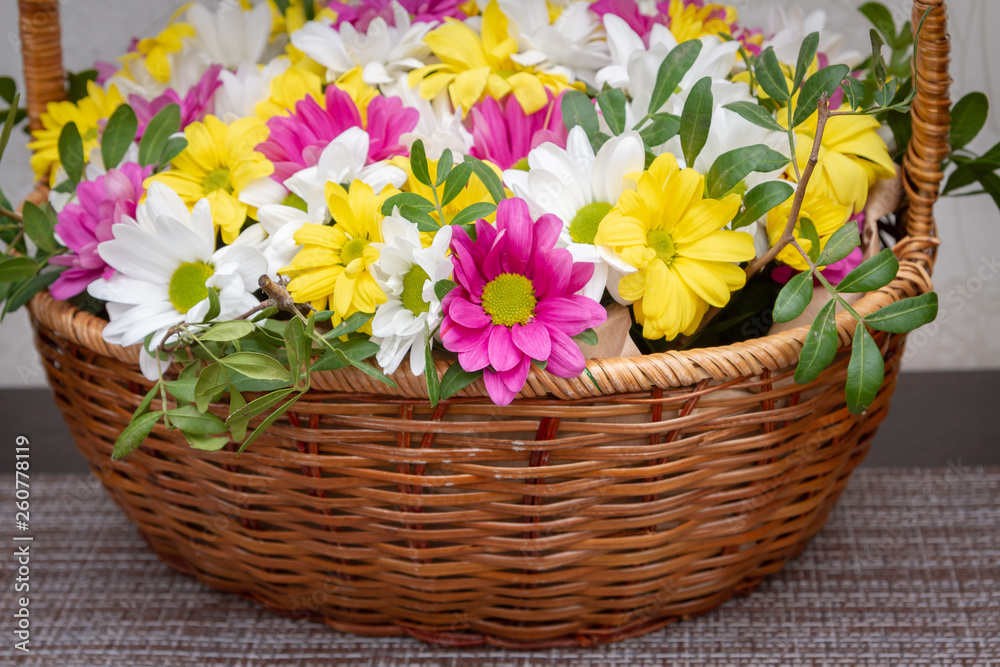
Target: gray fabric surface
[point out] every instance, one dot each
(907, 572)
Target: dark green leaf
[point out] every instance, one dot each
(238, 426)
(5, 203)
(352, 323)
(854, 89)
(587, 337)
(76, 88)
(119, 133)
(820, 345)
(865, 371)
(23, 293)
(761, 199)
(189, 420)
(793, 297)
(664, 127)
(456, 379)
(488, 177)
(134, 434)
(825, 81)
(175, 146)
(671, 71)
(612, 103)
(872, 274)
(297, 347)
(214, 306)
(881, 18)
(733, 166)
(211, 383)
(807, 53)
(772, 161)
(39, 226)
(7, 89)
(964, 175)
(16, 269)
(146, 401)
(442, 287)
(430, 371)
(756, 114)
(256, 366)
(991, 184)
(807, 229)
(71, 152)
(270, 419)
(905, 315)
(208, 443)
(443, 167)
(456, 182)
(8, 126)
(406, 200)
(840, 244)
(696, 120)
(578, 109)
(258, 406)
(967, 118)
(771, 77)
(182, 389)
(878, 62)
(418, 163)
(474, 212)
(153, 144)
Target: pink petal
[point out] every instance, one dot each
(475, 359)
(581, 275)
(495, 387)
(514, 219)
(532, 339)
(557, 266)
(516, 377)
(547, 229)
(570, 314)
(467, 314)
(457, 338)
(566, 360)
(503, 354)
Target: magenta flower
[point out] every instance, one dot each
(196, 104)
(361, 14)
(516, 301)
(296, 141)
(102, 203)
(628, 11)
(505, 135)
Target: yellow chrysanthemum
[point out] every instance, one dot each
(852, 156)
(473, 193)
(332, 270)
(686, 261)
(154, 52)
(826, 215)
(473, 67)
(218, 163)
(691, 21)
(288, 22)
(294, 84)
(88, 114)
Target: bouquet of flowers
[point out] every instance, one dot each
(261, 192)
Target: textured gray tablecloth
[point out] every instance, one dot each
(907, 572)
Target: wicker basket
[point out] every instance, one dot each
(571, 516)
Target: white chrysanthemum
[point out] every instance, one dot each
(580, 188)
(230, 35)
(439, 126)
(384, 51)
(164, 266)
(407, 273)
(572, 45)
(241, 91)
(788, 30)
(187, 66)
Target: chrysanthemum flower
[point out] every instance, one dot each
(516, 301)
(218, 164)
(333, 268)
(686, 261)
(504, 134)
(826, 215)
(691, 19)
(194, 106)
(104, 202)
(473, 66)
(153, 53)
(230, 35)
(164, 266)
(407, 273)
(89, 115)
(580, 188)
(361, 14)
(285, 89)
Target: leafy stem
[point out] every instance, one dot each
(826, 283)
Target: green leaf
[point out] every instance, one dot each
(175, 146)
(733, 166)
(118, 135)
(967, 118)
(270, 419)
(8, 126)
(854, 89)
(474, 212)
(5, 203)
(255, 366)
(297, 347)
(182, 389)
(407, 199)
(793, 297)
(827, 80)
(23, 293)
(456, 379)
(227, 331)
(214, 306)
(878, 62)
(208, 443)
(444, 166)
(807, 53)
(905, 315)
(189, 420)
(696, 120)
(612, 103)
(258, 406)
(772, 161)
(76, 88)
(153, 144)
(664, 127)
(211, 382)
(39, 226)
(865, 371)
(587, 337)
(418, 163)
(840, 244)
(442, 287)
(756, 114)
(991, 183)
(7, 89)
(771, 77)
(353, 322)
(16, 269)
(881, 18)
(820, 346)
(135, 433)
(488, 177)
(71, 152)
(430, 371)
(761, 199)
(578, 109)
(671, 71)
(456, 182)
(237, 427)
(808, 231)
(146, 401)
(871, 274)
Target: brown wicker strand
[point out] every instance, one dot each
(41, 49)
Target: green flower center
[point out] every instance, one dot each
(412, 297)
(509, 299)
(521, 164)
(352, 250)
(187, 285)
(661, 243)
(295, 201)
(217, 179)
(583, 226)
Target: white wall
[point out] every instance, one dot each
(968, 264)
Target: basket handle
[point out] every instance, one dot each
(931, 118)
(41, 48)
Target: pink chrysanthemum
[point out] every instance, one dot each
(296, 141)
(361, 14)
(516, 301)
(103, 203)
(505, 135)
(628, 11)
(196, 104)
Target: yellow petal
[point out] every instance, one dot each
(720, 246)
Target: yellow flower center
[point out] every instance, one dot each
(187, 285)
(217, 179)
(412, 297)
(660, 242)
(583, 227)
(509, 299)
(352, 250)
(521, 164)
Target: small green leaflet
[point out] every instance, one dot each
(840, 244)
(793, 297)
(119, 133)
(696, 120)
(820, 345)
(865, 371)
(905, 315)
(671, 71)
(872, 274)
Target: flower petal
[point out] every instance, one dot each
(532, 339)
(503, 354)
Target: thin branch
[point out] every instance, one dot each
(13, 215)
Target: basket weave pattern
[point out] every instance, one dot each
(581, 513)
